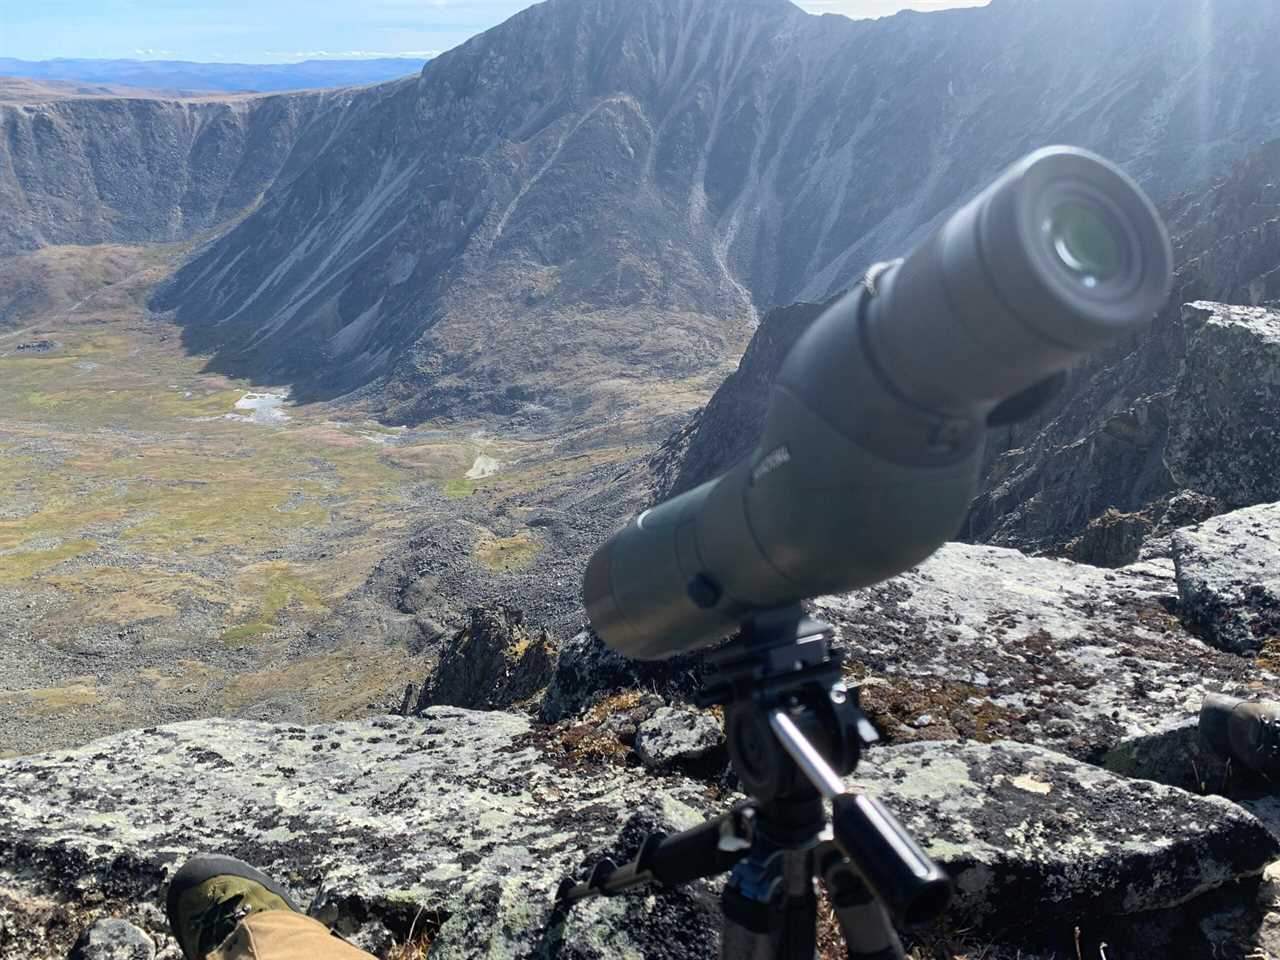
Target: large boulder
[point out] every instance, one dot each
(113, 939)
(685, 739)
(984, 643)
(459, 819)
(586, 671)
(1035, 839)
(1228, 572)
(1224, 429)
(494, 662)
(460, 825)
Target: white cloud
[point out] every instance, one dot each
(352, 54)
(863, 9)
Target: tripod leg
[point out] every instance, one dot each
(771, 912)
(868, 932)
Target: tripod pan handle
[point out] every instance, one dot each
(913, 888)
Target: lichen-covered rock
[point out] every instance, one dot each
(1224, 430)
(1182, 509)
(460, 815)
(586, 670)
(493, 663)
(1228, 573)
(114, 940)
(1112, 540)
(460, 825)
(680, 738)
(987, 644)
(1031, 836)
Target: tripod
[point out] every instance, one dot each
(793, 731)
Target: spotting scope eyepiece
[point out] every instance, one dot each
(872, 444)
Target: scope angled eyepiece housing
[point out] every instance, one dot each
(873, 441)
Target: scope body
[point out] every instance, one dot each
(873, 441)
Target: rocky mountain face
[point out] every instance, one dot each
(93, 170)
(1168, 429)
(1178, 409)
(600, 193)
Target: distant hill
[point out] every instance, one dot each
(178, 75)
(20, 90)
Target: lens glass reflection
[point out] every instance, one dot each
(1085, 243)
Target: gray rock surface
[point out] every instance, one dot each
(1224, 431)
(985, 643)
(673, 737)
(495, 662)
(103, 170)
(461, 814)
(114, 940)
(1102, 444)
(1228, 572)
(1017, 824)
(586, 670)
(466, 822)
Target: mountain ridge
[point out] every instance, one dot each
(189, 75)
(684, 162)
(586, 208)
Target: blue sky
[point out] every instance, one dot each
(274, 31)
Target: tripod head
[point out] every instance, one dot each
(794, 730)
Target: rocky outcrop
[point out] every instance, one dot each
(600, 192)
(495, 662)
(1224, 435)
(461, 825)
(1102, 444)
(1020, 824)
(1118, 539)
(586, 671)
(114, 940)
(1228, 572)
(1114, 539)
(683, 739)
(457, 820)
(984, 643)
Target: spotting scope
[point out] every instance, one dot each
(873, 440)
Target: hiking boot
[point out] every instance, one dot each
(1247, 731)
(209, 897)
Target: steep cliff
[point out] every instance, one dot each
(90, 169)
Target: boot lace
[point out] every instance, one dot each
(217, 922)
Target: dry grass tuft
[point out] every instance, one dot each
(422, 933)
(413, 950)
